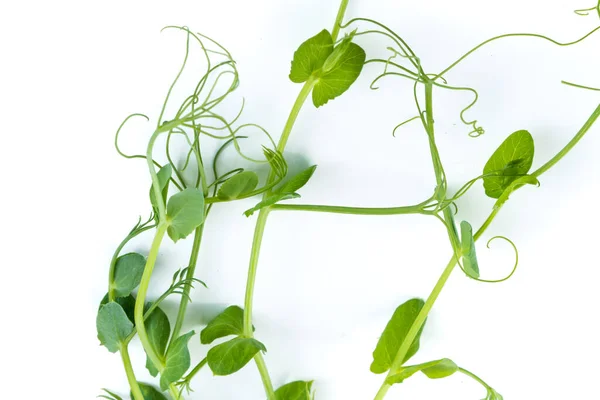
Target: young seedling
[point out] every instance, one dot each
(326, 65)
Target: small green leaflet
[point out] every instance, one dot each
(229, 357)
(177, 360)
(238, 186)
(158, 329)
(164, 175)
(311, 56)
(150, 392)
(285, 191)
(469, 256)
(127, 303)
(510, 161)
(335, 69)
(343, 68)
(394, 334)
(434, 370)
(128, 273)
(113, 326)
(229, 322)
(297, 182)
(269, 201)
(298, 390)
(185, 212)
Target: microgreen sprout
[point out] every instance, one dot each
(181, 196)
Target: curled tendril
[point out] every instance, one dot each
(514, 269)
(477, 130)
(121, 153)
(140, 156)
(586, 11)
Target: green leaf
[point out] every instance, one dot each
(311, 56)
(164, 175)
(434, 370)
(185, 212)
(394, 334)
(269, 201)
(238, 185)
(127, 303)
(298, 390)
(229, 357)
(469, 255)
(111, 395)
(158, 329)
(510, 161)
(150, 392)
(113, 326)
(297, 182)
(128, 273)
(229, 322)
(177, 360)
(343, 68)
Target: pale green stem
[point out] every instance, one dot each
(417, 209)
(258, 235)
(338, 20)
(255, 252)
(187, 288)
(140, 300)
(133, 383)
(263, 214)
(264, 373)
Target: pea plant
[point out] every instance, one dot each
(182, 195)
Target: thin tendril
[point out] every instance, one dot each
(404, 123)
(187, 52)
(514, 269)
(533, 35)
(477, 130)
(580, 86)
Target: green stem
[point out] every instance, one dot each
(196, 369)
(586, 127)
(140, 300)
(264, 374)
(416, 209)
(338, 20)
(289, 125)
(133, 383)
(255, 252)
(422, 316)
(174, 392)
(188, 286)
(258, 235)
(264, 213)
(475, 377)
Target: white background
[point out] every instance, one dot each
(327, 284)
